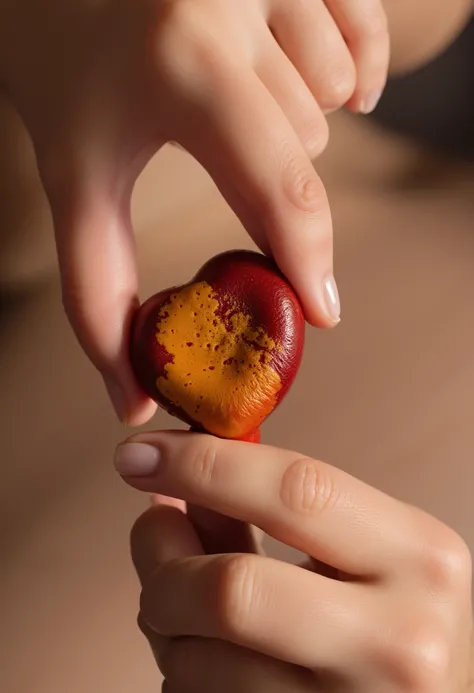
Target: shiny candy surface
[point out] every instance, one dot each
(221, 351)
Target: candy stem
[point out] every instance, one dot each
(252, 437)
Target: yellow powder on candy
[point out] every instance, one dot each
(217, 375)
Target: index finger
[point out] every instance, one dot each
(260, 166)
(305, 503)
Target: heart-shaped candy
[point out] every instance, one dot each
(221, 352)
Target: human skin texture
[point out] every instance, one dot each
(222, 351)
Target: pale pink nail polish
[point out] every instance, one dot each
(331, 299)
(136, 459)
(370, 102)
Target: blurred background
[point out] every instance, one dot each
(388, 395)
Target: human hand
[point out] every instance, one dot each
(241, 84)
(383, 605)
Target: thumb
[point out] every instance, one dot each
(96, 253)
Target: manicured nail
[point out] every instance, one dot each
(136, 459)
(331, 298)
(370, 102)
(116, 397)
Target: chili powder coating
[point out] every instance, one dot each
(221, 352)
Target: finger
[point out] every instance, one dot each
(262, 169)
(217, 533)
(310, 38)
(159, 499)
(162, 534)
(157, 643)
(221, 534)
(99, 283)
(364, 26)
(199, 664)
(289, 90)
(165, 533)
(316, 508)
(256, 602)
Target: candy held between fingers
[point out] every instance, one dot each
(221, 352)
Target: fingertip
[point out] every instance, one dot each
(364, 104)
(140, 411)
(161, 534)
(314, 285)
(370, 102)
(317, 315)
(322, 322)
(158, 500)
(131, 405)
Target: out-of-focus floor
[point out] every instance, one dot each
(388, 396)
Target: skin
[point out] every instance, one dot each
(151, 65)
(106, 353)
(388, 585)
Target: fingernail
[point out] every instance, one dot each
(116, 397)
(331, 298)
(136, 459)
(370, 102)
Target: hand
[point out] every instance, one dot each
(384, 603)
(241, 84)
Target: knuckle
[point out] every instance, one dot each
(237, 594)
(302, 186)
(307, 487)
(419, 657)
(445, 558)
(449, 566)
(183, 50)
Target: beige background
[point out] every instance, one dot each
(388, 395)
